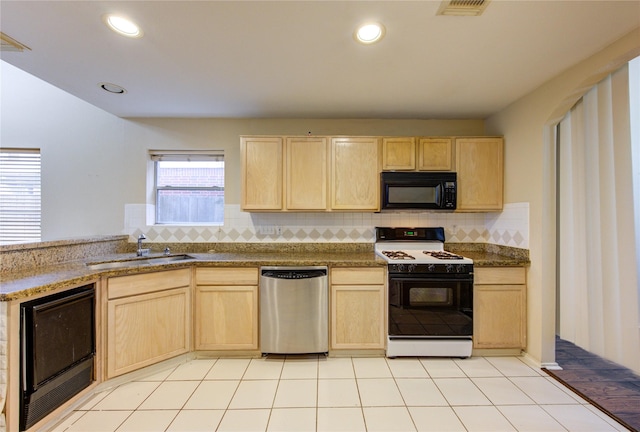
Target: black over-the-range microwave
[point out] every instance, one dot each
(418, 190)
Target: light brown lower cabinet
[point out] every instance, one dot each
(358, 308)
(500, 307)
(226, 308)
(148, 319)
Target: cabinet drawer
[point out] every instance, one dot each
(227, 276)
(499, 275)
(358, 276)
(125, 286)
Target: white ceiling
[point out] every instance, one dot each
(298, 59)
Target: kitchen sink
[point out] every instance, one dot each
(138, 261)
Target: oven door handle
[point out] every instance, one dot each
(468, 279)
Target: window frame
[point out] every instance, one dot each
(184, 156)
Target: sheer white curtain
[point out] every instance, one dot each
(597, 274)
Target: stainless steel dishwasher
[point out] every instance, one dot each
(294, 310)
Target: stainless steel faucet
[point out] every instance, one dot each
(140, 251)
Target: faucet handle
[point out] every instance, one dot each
(167, 251)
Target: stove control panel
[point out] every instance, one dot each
(462, 269)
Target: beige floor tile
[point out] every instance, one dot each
(65, 423)
(379, 392)
(338, 393)
(99, 421)
(148, 421)
(436, 419)
(543, 391)
(578, 418)
(300, 367)
(228, 369)
(371, 367)
(566, 390)
(513, 366)
(159, 376)
(212, 395)
(501, 391)
(264, 369)
(420, 392)
(335, 367)
(407, 368)
(442, 368)
(461, 391)
(170, 395)
(292, 420)
(388, 419)
(193, 370)
(477, 367)
(293, 393)
(530, 418)
(483, 418)
(254, 394)
(296, 394)
(127, 396)
(196, 421)
(252, 420)
(614, 424)
(94, 400)
(340, 420)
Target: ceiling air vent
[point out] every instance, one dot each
(462, 7)
(10, 44)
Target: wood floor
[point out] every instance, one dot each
(611, 387)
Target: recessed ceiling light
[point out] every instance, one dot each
(122, 26)
(370, 33)
(112, 88)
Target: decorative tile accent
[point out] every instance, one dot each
(508, 228)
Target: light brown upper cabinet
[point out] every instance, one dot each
(480, 169)
(307, 173)
(355, 173)
(398, 154)
(261, 171)
(435, 154)
(422, 154)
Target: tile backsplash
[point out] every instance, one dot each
(507, 228)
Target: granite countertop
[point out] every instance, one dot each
(26, 283)
(489, 255)
(21, 284)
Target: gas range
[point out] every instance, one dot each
(430, 294)
(418, 250)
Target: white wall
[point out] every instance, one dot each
(527, 126)
(94, 171)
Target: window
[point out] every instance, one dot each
(20, 196)
(189, 187)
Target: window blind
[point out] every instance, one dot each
(20, 196)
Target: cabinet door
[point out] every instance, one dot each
(435, 154)
(226, 308)
(358, 308)
(355, 173)
(226, 317)
(398, 154)
(357, 317)
(479, 164)
(499, 316)
(261, 172)
(145, 329)
(307, 171)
